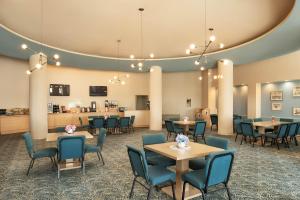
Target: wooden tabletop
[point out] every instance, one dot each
(185, 122)
(52, 137)
(195, 150)
(268, 123)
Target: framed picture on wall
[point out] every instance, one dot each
(296, 91)
(276, 106)
(276, 96)
(296, 111)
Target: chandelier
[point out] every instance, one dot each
(118, 79)
(139, 63)
(43, 58)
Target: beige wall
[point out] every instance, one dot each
(14, 83)
(177, 87)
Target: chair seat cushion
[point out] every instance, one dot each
(270, 135)
(159, 175)
(196, 178)
(197, 164)
(47, 152)
(160, 161)
(91, 148)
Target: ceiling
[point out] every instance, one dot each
(169, 26)
(85, 34)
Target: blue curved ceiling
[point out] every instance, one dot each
(285, 38)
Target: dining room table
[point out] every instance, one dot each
(263, 125)
(186, 124)
(182, 156)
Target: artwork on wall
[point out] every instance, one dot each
(296, 91)
(296, 111)
(276, 96)
(276, 106)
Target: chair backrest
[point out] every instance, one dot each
(124, 122)
(60, 129)
(248, 120)
(286, 120)
(247, 128)
(98, 122)
(70, 147)
(199, 128)
(80, 121)
(138, 162)
(101, 137)
(257, 119)
(292, 130)
(218, 168)
(114, 116)
(282, 130)
(217, 142)
(111, 122)
(132, 118)
(237, 125)
(156, 138)
(28, 142)
(298, 129)
(214, 118)
(169, 125)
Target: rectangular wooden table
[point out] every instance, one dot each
(267, 124)
(186, 125)
(182, 157)
(52, 137)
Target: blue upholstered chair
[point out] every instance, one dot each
(153, 175)
(218, 142)
(249, 131)
(124, 124)
(97, 148)
(216, 172)
(111, 124)
(280, 133)
(172, 129)
(132, 118)
(286, 120)
(214, 121)
(237, 127)
(36, 154)
(98, 124)
(60, 129)
(152, 157)
(70, 147)
(199, 130)
(82, 126)
(291, 133)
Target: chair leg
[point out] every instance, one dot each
(262, 141)
(53, 164)
(183, 191)
(132, 187)
(242, 140)
(276, 140)
(30, 166)
(149, 193)
(228, 192)
(296, 142)
(204, 139)
(236, 137)
(173, 191)
(101, 158)
(58, 171)
(203, 194)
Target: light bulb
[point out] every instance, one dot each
(57, 63)
(127, 75)
(192, 46)
(200, 78)
(28, 72)
(140, 64)
(56, 56)
(24, 46)
(221, 45)
(212, 38)
(197, 62)
(140, 69)
(202, 68)
(187, 51)
(123, 82)
(132, 66)
(151, 55)
(215, 76)
(131, 56)
(115, 77)
(38, 66)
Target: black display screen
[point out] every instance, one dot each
(59, 90)
(98, 90)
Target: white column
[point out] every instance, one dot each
(155, 98)
(254, 100)
(225, 97)
(38, 97)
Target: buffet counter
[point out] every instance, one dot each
(14, 124)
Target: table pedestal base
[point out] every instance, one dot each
(190, 192)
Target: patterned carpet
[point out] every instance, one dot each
(258, 173)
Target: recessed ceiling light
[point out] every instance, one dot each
(24, 46)
(151, 55)
(131, 56)
(56, 56)
(192, 46)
